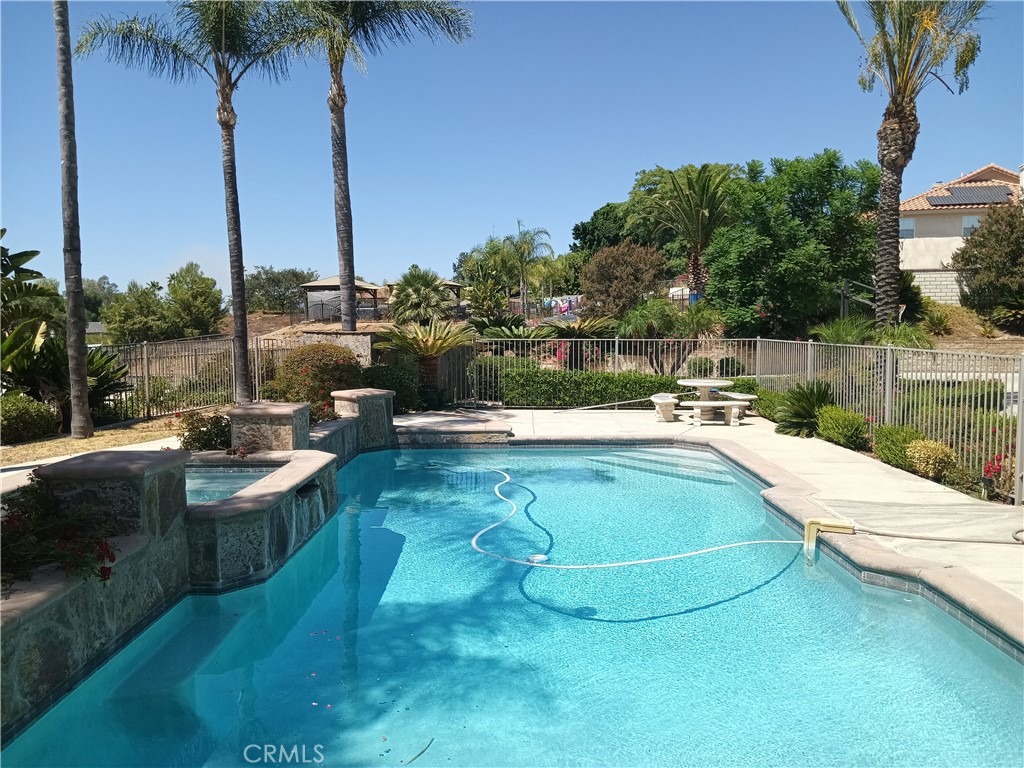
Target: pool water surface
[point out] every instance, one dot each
(388, 635)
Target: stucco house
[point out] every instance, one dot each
(934, 224)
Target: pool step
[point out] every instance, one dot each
(679, 471)
(688, 459)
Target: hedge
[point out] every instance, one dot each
(486, 374)
(536, 388)
(23, 419)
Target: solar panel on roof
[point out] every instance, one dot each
(972, 196)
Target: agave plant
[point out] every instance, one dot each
(852, 329)
(427, 344)
(419, 296)
(797, 415)
(584, 328)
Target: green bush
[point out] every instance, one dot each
(731, 367)
(930, 459)
(890, 445)
(533, 387)
(744, 385)
(487, 373)
(843, 427)
(700, 367)
(23, 419)
(402, 378)
(204, 433)
(963, 479)
(767, 403)
(308, 374)
(923, 395)
(798, 412)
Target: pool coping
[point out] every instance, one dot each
(981, 606)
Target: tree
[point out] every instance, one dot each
(990, 263)
(195, 304)
(695, 204)
(223, 40)
(140, 314)
(347, 31)
(277, 290)
(427, 344)
(526, 247)
(97, 293)
(798, 233)
(419, 296)
(81, 418)
(618, 278)
(910, 42)
(604, 229)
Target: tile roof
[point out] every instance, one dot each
(991, 175)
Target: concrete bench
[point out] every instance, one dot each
(739, 396)
(704, 410)
(665, 406)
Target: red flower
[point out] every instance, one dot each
(105, 572)
(869, 418)
(177, 415)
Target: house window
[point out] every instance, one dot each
(906, 229)
(971, 223)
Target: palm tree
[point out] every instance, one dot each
(223, 40)
(427, 344)
(419, 296)
(911, 41)
(346, 31)
(81, 418)
(526, 247)
(693, 208)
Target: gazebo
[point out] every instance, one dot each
(322, 298)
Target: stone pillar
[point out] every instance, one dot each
(375, 408)
(270, 426)
(143, 490)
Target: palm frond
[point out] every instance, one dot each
(430, 341)
(147, 44)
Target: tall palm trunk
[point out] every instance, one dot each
(81, 419)
(227, 118)
(698, 277)
(336, 101)
(897, 138)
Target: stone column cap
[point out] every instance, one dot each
(267, 410)
(106, 465)
(359, 394)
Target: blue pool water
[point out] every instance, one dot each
(213, 483)
(388, 633)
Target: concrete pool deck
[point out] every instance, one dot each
(823, 480)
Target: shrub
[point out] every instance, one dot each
(731, 367)
(308, 374)
(963, 479)
(700, 367)
(744, 385)
(23, 419)
(843, 427)
(937, 323)
(1010, 316)
(534, 387)
(204, 433)
(487, 373)
(767, 403)
(36, 530)
(890, 445)
(402, 378)
(798, 412)
(930, 459)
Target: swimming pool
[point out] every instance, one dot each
(388, 634)
(213, 483)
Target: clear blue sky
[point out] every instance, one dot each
(544, 116)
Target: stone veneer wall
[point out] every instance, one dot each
(56, 634)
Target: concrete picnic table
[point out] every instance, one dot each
(704, 387)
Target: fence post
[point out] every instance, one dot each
(757, 360)
(233, 390)
(810, 360)
(1018, 451)
(145, 376)
(257, 382)
(616, 353)
(890, 370)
